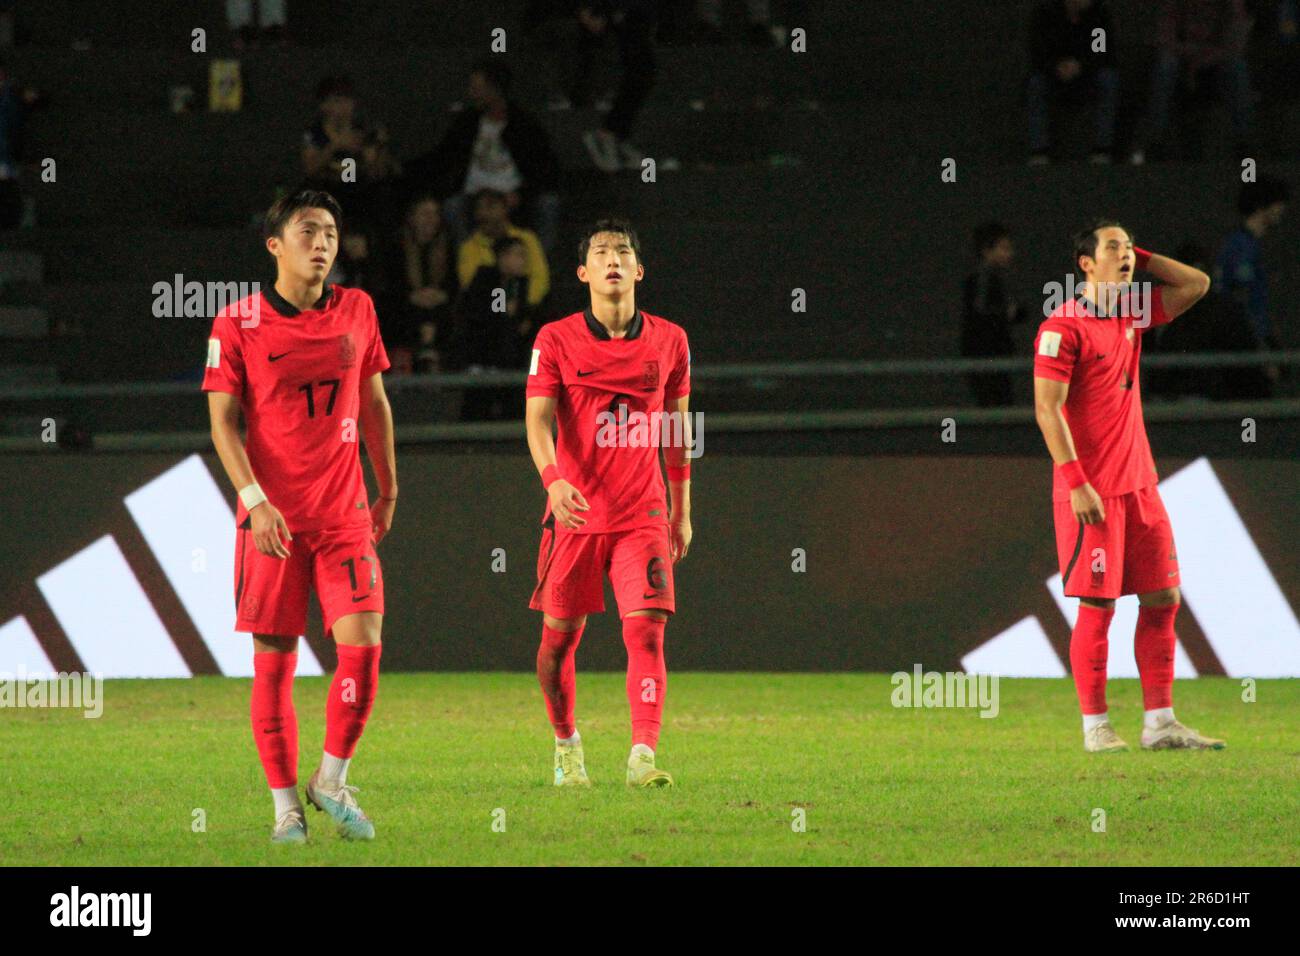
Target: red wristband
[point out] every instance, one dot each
(549, 474)
(1073, 474)
(679, 473)
(1142, 256)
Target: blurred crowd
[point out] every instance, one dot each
(455, 244)
(1234, 317)
(1199, 57)
(1199, 54)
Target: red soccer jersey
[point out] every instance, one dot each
(598, 382)
(298, 378)
(1098, 357)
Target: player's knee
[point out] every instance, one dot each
(1163, 598)
(274, 643)
(653, 613)
(637, 636)
(358, 630)
(565, 623)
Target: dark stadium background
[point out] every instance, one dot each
(819, 172)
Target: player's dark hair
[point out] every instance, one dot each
(1261, 194)
(282, 210)
(620, 226)
(506, 243)
(1085, 240)
(495, 72)
(334, 85)
(989, 234)
(420, 199)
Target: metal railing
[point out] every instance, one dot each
(821, 368)
(756, 421)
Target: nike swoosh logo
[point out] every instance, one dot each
(276, 358)
(652, 594)
(362, 598)
(585, 374)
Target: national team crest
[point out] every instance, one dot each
(651, 377)
(347, 350)
(560, 592)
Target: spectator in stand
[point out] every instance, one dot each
(497, 325)
(633, 25)
(15, 103)
(239, 17)
(496, 145)
(493, 218)
(1288, 21)
(339, 135)
(989, 310)
(358, 266)
(1193, 36)
(1239, 270)
(422, 322)
(1217, 324)
(1063, 64)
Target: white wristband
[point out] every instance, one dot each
(251, 496)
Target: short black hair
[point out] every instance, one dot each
(1260, 195)
(282, 210)
(505, 243)
(335, 85)
(989, 234)
(417, 199)
(496, 72)
(620, 226)
(1085, 240)
(487, 192)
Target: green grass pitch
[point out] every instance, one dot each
(445, 754)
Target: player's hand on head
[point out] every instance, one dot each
(270, 533)
(1087, 505)
(566, 502)
(381, 518)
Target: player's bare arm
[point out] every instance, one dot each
(679, 492)
(270, 533)
(377, 432)
(1184, 285)
(566, 500)
(1049, 397)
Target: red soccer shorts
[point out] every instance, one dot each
(1131, 552)
(571, 569)
(271, 593)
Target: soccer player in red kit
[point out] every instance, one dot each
(303, 362)
(603, 373)
(1113, 536)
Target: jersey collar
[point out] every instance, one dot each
(600, 332)
(1090, 307)
(283, 306)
